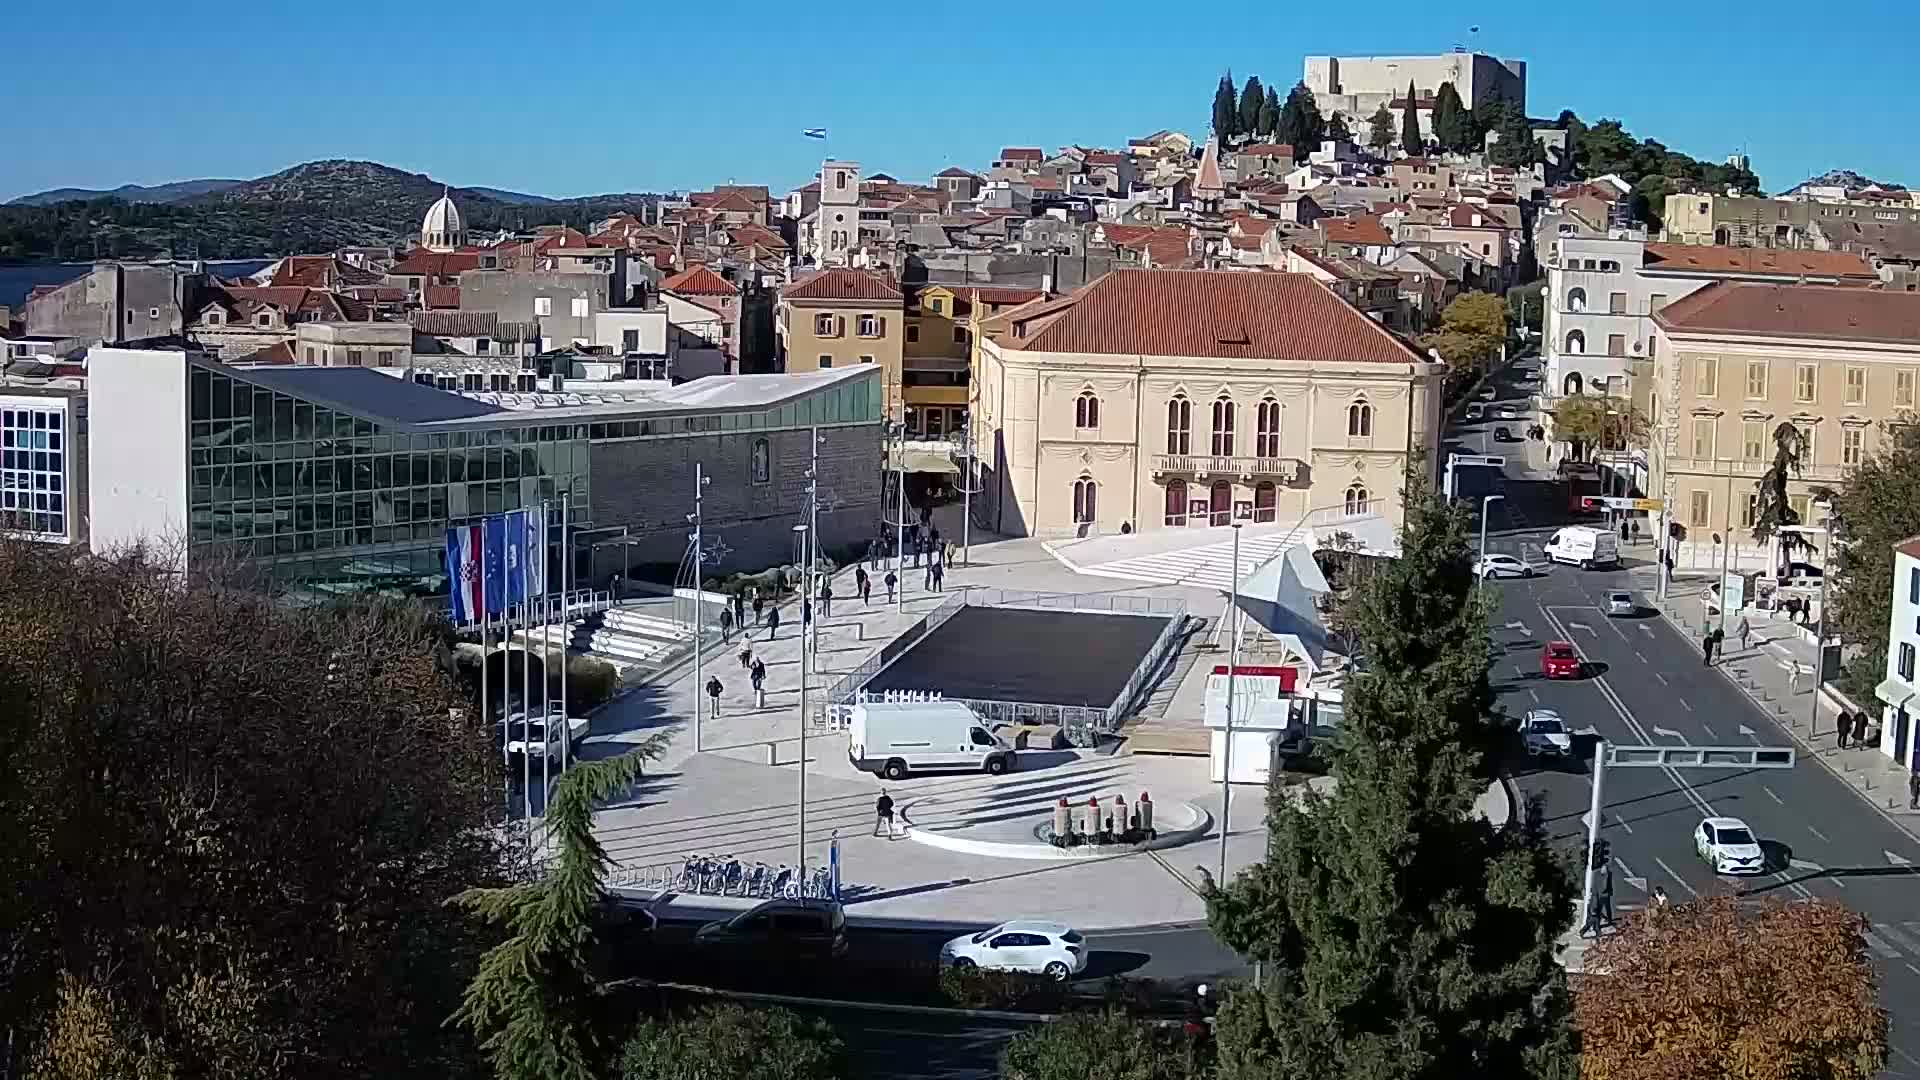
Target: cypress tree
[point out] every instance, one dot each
(1402, 936)
(1410, 140)
(1300, 123)
(1380, 130)
(1252, 97)
(1337, 129)
(1270, 114)
(1450, 120)
(1226, 113)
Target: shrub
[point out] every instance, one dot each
(1109, 1045)
(762, 1043)
(979, 988)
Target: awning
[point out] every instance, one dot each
(1894, 692)
(921, 461)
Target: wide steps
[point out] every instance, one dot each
(647, 626)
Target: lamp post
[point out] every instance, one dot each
(1486, 501)
(1233, 668)
(700, 481)
(810, 548)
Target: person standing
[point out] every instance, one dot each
(806, 621)
(773, 623)
(933, 565)
(726, 624)
(883, 814)
(759, 606)
(740, 611)
(892, 579)
(1913, 790)
(713, 693)
(863, 584)
(826, 599)
(1623, 530)
(913, 541)
(1860, 728)
(1660, 899)
(758, 675)
(746, 652)
(1745, 630)
(1706, 650)
(938, 576)
(1843, 725)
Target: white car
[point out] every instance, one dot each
(1498, 566)
(1505, 413)
(1622, 603)
(1053, 949)
(1543, 732)
(1727, 845)
(541, 736)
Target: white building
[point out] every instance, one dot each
(442, 229)
(1898, 739)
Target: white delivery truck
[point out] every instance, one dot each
(893, 739)
(1584, 546)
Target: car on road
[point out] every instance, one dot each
(1499, 566)
(1727, 845)
(543, 735)
(786, 929)
(1506, 412)
(1559, 660)
(1476, 410)
(1544, 733)
(1622, 603)
(1053, 949)
(1502, 434)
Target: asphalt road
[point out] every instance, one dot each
(1647, 685)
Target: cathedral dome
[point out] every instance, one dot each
(442, 230)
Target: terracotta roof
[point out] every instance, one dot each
(1462, 217)
(1210, 313)
(280, 352)
(1105, 157)
(1021, 153)
(1822, 312)
(699, 281)
(844, 284)
(1362, 230)
(1044, 183)
(320, 272)
(1909, 547)
(733, 202)
(422, 263)
(486, 324)
(1281, 150)
(1783, 261)
(441, 296)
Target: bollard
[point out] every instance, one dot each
(1062, 819)
(1090, 823)
(1119, 814)
(1145, 808)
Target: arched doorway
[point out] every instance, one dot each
(1220, 503)
(1265, 497)
(1576, 342)
(1176, 502)
(1571, 384)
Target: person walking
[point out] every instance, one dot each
(1706, 650)
(1660, 899)
(826, 599)
(713, 692)
(745, 653)
(1913, 790)
(1745, 630)
(726, 624)
(1860, 728)
(863, 584)
(938, 577)
(759, 606)
(773, 623)
(883, 814)
(806, 622)
(740, 611)
(913, 541)
(892, 579)
(758, 675)
(1623, 530)
(933, 565)
(1843, 725)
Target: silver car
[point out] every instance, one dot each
(1622, 603)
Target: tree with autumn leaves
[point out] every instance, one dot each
(1722, 988)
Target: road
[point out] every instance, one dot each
(1647, 685)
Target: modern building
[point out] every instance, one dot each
(43, 460)
(1898, 690)
(1357, 86)
(347, 478)
(1156, 399)
(1735, 360)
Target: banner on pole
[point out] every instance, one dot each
(514, 525)
(493, 575)
(464, 603)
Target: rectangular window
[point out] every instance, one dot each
(355, 358)
(1756, 380)
(1753, 440)
(826, 361)
(1703, 438)
(913, 335)
(1856, 385)
(1699, 508)
(825, 326)
(1906, 661)
(1617, 303)
(1750, 512)
(1853, 444)
(1913, 586)
(1706, 377)
(1805, 382)
(579, 306)
(1656, 302)
(866, 359)
(630, 341)
(1800, 505)
(1903, 389)
(543, 305)
(1616, 345)
(869, 326)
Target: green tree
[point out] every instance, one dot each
(531, 1002)
(1400, 934)
(1410, 140)
(1451, 126)
(1594, 421)
(1270, 114)
(1252, 100)
(1103, 1046)
(1337, 129)
(1226, 110)
(1773, 503)
(761, 1043)
(1380, 130)
(1880, 503)
(1301, 126)
(1516, 147)
(1472, 329)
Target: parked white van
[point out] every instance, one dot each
(894, 739)
(1584, 546)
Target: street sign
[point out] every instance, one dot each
(1699, 757)
(1492, 461)
(1616, 502)
(1649, 505)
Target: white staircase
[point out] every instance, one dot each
(629, 638)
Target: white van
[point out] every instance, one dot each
(894, 739)
(1584, 546)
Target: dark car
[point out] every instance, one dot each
(1501, 434)
(802, 929)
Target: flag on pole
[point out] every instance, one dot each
(493, 577)
(537, 551)
(515, 528)
(815, 133)
(463, 573)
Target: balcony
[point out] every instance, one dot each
(1203, 467)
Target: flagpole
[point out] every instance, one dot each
(546, 711)
(566, 610)
(526, 703)
(486, 642)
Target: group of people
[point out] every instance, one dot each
(1850, 728)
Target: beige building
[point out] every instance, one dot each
(1735, 360)
(1155, 399)
(1735, 220)
(842, 317)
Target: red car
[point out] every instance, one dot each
(1559, 661)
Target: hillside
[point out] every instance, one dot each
(133, 193)
(1842, 178)
(316, 206)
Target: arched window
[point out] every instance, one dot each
(1223, 427)
(1359, 419)
(1571, 385)
(1266, 429)
(1264, 500)
(1179, 426)
(1084, 509)
(1356, 499)
(1220, 503)
(1086, 411)
(1176, 502)
(1576, 342)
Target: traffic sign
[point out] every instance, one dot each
(1615, 502)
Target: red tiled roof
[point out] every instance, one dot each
(1268, 150)
(843, 284)
(280, 352)
(1365, 231)
(1211, 313)
(320, 272)
(1105, 157)
(699, 281)
(1786, 262)
(956, 171)
(1044, 183)
(445, 297)
(1821, 312)
(1021, 153)
(422, 263)
(733, 202)
(1909, 547)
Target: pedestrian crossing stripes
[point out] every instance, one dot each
(1883, 938)
(1207, 566)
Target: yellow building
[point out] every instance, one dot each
(939, 350)
(1155, 399)
(1735, 360)
(842, 317)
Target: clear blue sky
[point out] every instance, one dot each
(594, 95)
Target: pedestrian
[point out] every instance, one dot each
(1660, 900)
(826, 599)
(759, 606)
(726, 624)
(1746, 633)
(1633, 526)
(773, 623)
(806, 622)
(862, 583)
(1623, 532)
(1706, 650)
(740, 610)
(913, 541)
(758, 674)
(926, 514)
(713, 692)
(883, 814)
(952, 549)
(939, 576)
(873, 552)
(932, 568)
(1913, 790)
(1860, 728)
(891, 580)
(1843, 726)
(745, 654)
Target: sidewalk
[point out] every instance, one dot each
(1776, 674)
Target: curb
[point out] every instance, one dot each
(871, 1006)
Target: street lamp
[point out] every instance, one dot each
(1233, 668)
(1485, 502)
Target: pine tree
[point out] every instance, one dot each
(1380, 130)
(1337, 129)
(1410, 140)
(1401, 936)
(1450, 120)
(1226, 113)
(1516, 147)
(1270, 114)
(1300, 124)
(1252, 98)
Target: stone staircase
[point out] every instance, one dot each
(626, 637)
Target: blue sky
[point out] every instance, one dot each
(591, 95)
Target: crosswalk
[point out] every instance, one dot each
(1208, 566)
(1895, 941)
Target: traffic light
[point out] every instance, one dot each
(1602, 854)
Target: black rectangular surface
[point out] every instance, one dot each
(1019, 654)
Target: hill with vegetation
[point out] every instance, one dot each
(134, 193)
(316, 206)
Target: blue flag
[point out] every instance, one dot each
(516, 564)
(814, 133)
(495, 577)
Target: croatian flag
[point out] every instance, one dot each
(463, 573)
(815, 133)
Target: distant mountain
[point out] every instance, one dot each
(1843, 178)
(133, 193)
(518, 198)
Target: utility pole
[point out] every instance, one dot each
(900, 522)
(1593, 827)
(810, 548)
(700, 482)
(1233, 670)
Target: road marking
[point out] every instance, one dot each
(1670, 873)
(1669, 733)
(1880, 947)
(1647, 630)
(1622, 822)
(1520, 626)
(1772, 796)
(1535, 695)
(1708, 730)
(1627, 872)
(1818, 833)
(1662, 678)
(1683, 704)
(1583, 626)
(1811, 867)
(1755, 736)
(1895, 859)
(1898, 937)
(1638, 656)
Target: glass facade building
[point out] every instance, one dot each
(34, 482)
